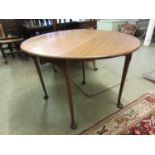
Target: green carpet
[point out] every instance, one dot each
(149, 76)
(96, 81)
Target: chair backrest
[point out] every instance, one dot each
(11, 27)
(37, 22)
(2, 34)
(129, 29)
(88, 24)
(66, 24)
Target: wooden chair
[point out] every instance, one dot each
(33, 27)
(64, 24)
(9, 40)
(128, 29)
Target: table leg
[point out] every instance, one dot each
(83, 73)
(69, 93)
(40, 76)
(94, 65)
(125, 70)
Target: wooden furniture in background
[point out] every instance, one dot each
(128, 29)
(2, 35)
(33, 27)
(9, 40)
(64, 24)
(64, 46)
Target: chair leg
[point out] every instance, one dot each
(4, 55)
(94, 65)
(18, 49)
(11, 49)
(54, 68)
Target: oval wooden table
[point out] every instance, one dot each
(74, 45)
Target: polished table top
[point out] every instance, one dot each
(81, 44)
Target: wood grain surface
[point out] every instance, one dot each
(81, 44)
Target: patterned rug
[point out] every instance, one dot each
(137, 118)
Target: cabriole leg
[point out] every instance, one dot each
(40, 76)
(125, 70)
(69, 93)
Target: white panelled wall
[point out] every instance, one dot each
(149, 32)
